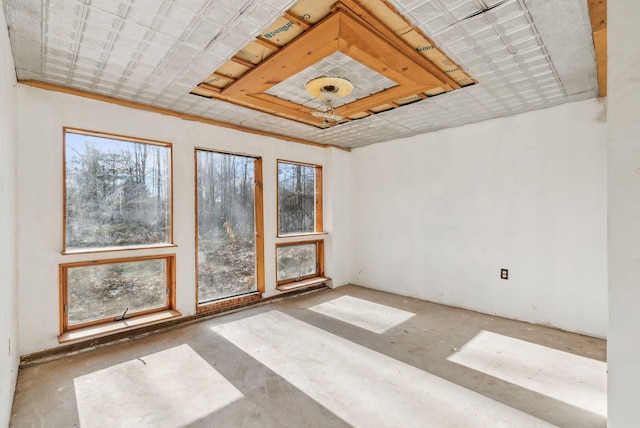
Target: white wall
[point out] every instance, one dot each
(9, 356)
(41, 117)
(623, 348)
(436, 216)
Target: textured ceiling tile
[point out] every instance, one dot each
(464, 10)
(156, 51)
(193, 6)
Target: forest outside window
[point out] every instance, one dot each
(229, 244)
(117, 192)
(105, 291)
(299, 198)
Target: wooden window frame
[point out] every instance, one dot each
(170, 260)
(67, 251)
(259, 219)
(319, 260)
(318, 199)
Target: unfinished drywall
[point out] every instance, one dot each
(40, 209)
(8, 259)
(623, 350)
(437, 216)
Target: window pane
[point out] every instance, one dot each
(296, 261)
(117, 192)
(296, 198)
(107, 290)
(226, 225)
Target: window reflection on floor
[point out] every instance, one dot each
(363, 313)
(363, 387)
(570, 378)
(157, 390)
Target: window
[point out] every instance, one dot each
(299, 261)
(117, 192)
(117, 197)
(229, 227)
(95, 292)
(299, 198)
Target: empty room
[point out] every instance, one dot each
(319, 213)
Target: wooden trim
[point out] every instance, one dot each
(128, 324)
(319, 243)
(62, 298)
(320, 255)
(259, 209)
(598, 16)
(303, 284)
(64, 190)
(116, 249)
(196, 228)
(64, 289)
(185, 116)
(119, 137)
(319, 198)
(127, 139)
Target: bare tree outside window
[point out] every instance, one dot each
(226, 225)
(296, 198)
(117, 192)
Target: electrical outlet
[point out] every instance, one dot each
(504, 273)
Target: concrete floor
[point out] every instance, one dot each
(334, 358)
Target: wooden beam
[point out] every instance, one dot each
(377, 52)
(373, 23)
(598, 15)
(309, 48)
(297, 21)
(167, 112)
(243, 62)
(267, 44)
(388, 96)
(224, 77)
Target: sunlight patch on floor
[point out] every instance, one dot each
(570, 378)
(171, 388)
(363, 387)
(363, 313)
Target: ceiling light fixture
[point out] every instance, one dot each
(329, 90)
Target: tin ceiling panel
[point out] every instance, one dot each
(365, 81)
(525, 55)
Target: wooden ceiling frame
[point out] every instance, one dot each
(354, 33)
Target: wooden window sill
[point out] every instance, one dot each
(301, 235)
(301, 284)
(114, 249)
(127, 324)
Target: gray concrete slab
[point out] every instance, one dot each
(335, 358)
